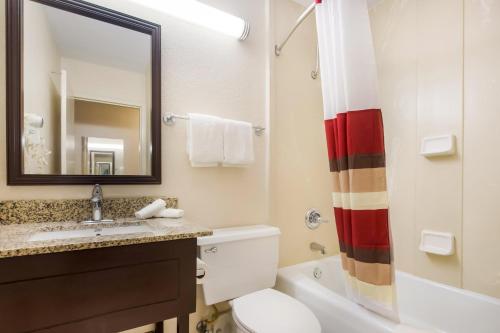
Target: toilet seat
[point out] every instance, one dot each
(270, 311)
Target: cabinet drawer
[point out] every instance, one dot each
(46, 265)
(50, 301)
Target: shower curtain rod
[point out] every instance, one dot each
(305, 14)
(279, 47)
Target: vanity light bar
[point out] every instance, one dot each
(201, 14)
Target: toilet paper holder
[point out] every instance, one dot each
(200, 273)
(201, 270)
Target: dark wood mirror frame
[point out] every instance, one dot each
(14, 47)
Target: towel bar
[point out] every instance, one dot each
(170, 118)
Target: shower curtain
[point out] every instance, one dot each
(355, 139)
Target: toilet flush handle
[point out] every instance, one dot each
(213, 249)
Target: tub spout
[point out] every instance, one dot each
(317, 247)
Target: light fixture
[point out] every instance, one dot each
(201, 14)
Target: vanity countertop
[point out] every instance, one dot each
(20, 239)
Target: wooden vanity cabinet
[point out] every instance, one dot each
(99, 290)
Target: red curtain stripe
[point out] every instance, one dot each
(363, 228)
(362, 132)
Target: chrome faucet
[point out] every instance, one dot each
(96, 202)
(318, 247)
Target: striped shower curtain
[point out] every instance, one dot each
(355, 139)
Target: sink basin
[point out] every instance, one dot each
(94, 232)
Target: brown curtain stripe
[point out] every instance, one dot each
(368, 255)
(358, 161)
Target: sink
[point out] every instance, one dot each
(94, 232)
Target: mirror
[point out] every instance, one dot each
(88, 109)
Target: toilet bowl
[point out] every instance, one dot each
(270, 311)
(242, 265)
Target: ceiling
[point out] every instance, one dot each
(98, 42)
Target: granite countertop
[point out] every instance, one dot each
(15, 239)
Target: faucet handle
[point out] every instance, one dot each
(313, 219)
(97, 191)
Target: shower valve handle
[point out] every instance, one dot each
(313, 219)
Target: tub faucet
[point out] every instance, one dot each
(96, 202)
(318, 247)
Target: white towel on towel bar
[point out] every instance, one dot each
(205, 136)
(238, 143)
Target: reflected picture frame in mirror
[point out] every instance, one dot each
(102, 163)
(22, 128)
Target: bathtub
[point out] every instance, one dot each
(422, 303)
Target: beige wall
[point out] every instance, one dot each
(42, 62)
(421, 51)
(300, 177)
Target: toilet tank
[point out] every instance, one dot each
(239, 261)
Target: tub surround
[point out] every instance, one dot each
(41, 211)
(15, 238)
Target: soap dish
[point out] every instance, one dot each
(440, 243)
(443, 145)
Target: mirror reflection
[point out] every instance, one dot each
(87, 95)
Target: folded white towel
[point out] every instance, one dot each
(238, 143)
(151, 209)
(170, 213)
(205, 136)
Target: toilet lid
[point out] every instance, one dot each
(269, 311)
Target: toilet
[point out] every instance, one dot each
(242, 265)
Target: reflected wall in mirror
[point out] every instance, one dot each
(90, 93)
